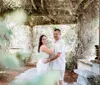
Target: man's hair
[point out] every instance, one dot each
(57, 30)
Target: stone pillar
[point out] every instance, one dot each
(1, 5)
(87, 30)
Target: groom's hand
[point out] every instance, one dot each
(46, 61)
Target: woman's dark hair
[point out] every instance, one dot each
(40, 42)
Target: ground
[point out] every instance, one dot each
(70, 77)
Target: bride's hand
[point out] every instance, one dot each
(52, 49)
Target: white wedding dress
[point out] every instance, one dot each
(41, 67)
(28, 75)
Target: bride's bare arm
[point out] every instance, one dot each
(47, 50)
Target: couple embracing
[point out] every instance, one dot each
(52, 59)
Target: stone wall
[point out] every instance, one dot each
(20, 40)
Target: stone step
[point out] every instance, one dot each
(86, 77)
(96, 68)
(71, 84)
(84, 64)
(85, 73)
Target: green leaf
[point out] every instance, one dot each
(9, 60)
(3, 28)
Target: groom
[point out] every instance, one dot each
(58, 61)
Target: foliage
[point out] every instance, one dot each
(6, 59)
(18, 16)
(49, 78)
(9, 61)
(71, 62)
(23, 57)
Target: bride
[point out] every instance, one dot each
(44, 53)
